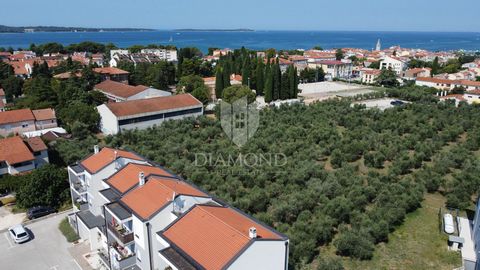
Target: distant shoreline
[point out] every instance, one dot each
(213, 30)
(55, 29)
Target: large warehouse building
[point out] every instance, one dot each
(144, 113)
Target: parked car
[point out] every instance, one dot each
(19, 234)
(39, 211)
(448, 224)
(397, 103)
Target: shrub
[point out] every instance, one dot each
(68, 231)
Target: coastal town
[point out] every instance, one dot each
(99, 144)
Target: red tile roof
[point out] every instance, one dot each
(119, 89)
(36, 144)
(96, 162)
(127, 177)
(2, 93)
(157, 192)
(212, 235)
(110, 70)
(152, 105)
(15, 116)
(435, 80)
(13, 150)
(44, 114)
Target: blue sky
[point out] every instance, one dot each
(374, 15)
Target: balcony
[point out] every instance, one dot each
(121, 257)
(79, 188)
(121, 233)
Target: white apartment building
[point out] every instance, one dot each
(141, 216)
(394, 63)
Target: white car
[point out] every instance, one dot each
(448, 224)
(19, 234)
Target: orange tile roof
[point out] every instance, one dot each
(435, 80)
(36, 144)
(44, 114)
(151, 105)
(18, 67)
(127, 177)
(96, 162)
(213, 235)
(119, 89)
(2, 93)
(15, 116)
(156, 193)
(13, 150)
(110, 70)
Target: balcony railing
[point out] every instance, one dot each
(122, 234)
(79, 188)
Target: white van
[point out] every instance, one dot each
(448, 224)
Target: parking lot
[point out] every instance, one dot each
(48, 250)
(381, 104)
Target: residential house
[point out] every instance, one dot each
(413, 73)
(139, 215)
(19, 155)
(112, 73)
(45, 118)
(24, 120)
(210, 83)
(399, 65)
(16, 122)
(369, 76)
(334, 69)
(144, 113)
(119, 92)
(447, 85)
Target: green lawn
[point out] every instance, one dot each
(417, 244)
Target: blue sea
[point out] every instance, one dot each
(434, 41)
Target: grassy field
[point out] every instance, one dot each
(417, 244)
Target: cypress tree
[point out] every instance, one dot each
(219, 85)
(284, 86)
(268, 89)
(246, 73)
(260, 77)
(277, 80)
(291, 82)
(435, 66)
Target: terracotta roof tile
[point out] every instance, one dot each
(16, 116)
(2, 93)
(44, 114)
(127, 177)
(96, 162)
(119, 89)
(110, 70)
(213, 235)
(36, 144)
(13, 150)
(156, 193)
(151, 105)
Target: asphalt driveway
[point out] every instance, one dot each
(48, 250)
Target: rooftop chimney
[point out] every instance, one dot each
(252, 232)
(95, 149)
(141, 179)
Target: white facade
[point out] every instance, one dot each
(394, 64)
(145, 242)
(110, 124)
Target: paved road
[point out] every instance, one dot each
(47, 251)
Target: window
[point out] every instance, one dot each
(21, 164)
